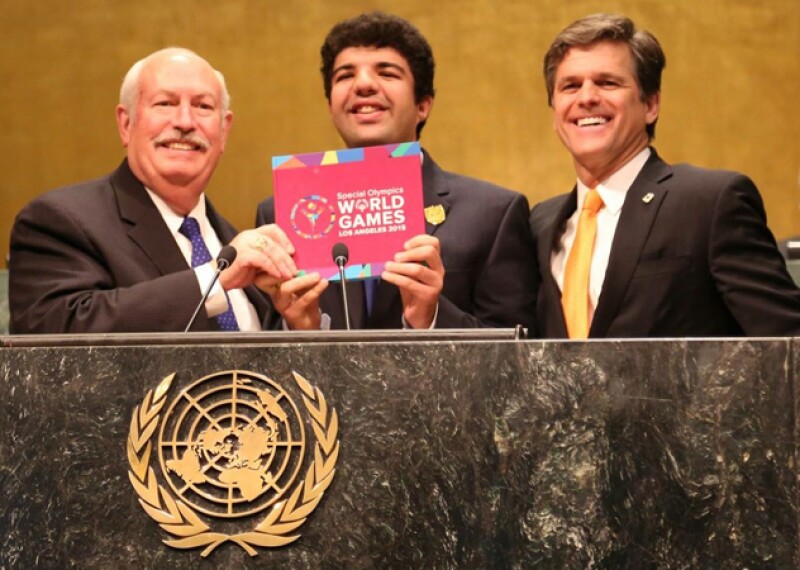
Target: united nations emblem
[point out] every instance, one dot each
(229, 446)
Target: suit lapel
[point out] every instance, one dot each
(435, 191)
(147, 227)
(225, 232)
(639, 211)
(550, 244)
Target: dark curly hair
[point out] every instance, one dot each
(380, 30)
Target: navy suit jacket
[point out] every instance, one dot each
(98, 257)
(486, 250)
(691, 257)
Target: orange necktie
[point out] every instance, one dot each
(575, 296)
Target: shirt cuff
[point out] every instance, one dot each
(217, 302)
(406, 326)
(324, 323)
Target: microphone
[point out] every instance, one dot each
(340, 255)
(226, 256)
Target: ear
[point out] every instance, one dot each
(424, 109)
(124, 125)
(653, 107)
(227, 123)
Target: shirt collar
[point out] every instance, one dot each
(614, 188)
(174, 220)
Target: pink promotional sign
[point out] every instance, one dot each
(370, 199)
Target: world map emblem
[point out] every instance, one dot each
(232, 445)
(312, 217)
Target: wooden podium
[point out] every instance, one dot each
(459, 449)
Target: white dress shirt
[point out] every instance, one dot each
(246, 315)
(612, 191)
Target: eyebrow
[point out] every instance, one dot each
(593, 76)
(171, 93)
(379, 65)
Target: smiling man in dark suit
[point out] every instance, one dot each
(641, 248)
(132, 251)
(474, 265)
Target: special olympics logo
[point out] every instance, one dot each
(312, 217)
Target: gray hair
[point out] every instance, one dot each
(129, 92)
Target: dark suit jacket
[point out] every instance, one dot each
(693, 259)
(98, 257)
(486, 250)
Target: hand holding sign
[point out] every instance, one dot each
(368, 198)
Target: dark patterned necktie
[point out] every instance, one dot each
(200, 255)
(370, 288)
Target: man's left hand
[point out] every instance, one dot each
(264, 250)
(418, 273)
(296, 299)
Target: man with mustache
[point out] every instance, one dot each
(642, 248)
(132, 251)
(473, 266)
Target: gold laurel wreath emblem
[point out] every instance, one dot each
(286, 516)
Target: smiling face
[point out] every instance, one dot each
(598, 111)
(178, 131)
(372, 97)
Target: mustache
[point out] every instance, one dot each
(176, 136)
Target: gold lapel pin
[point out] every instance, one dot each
(647, 198)
(435, 214)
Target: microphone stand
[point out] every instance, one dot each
(341, 255)
(343, 281)
(224, 260)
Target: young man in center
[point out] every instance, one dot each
(474, 265)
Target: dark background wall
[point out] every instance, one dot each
(729, 100)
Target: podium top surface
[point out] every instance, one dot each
(271, 337)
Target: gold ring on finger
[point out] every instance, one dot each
(261, 243)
